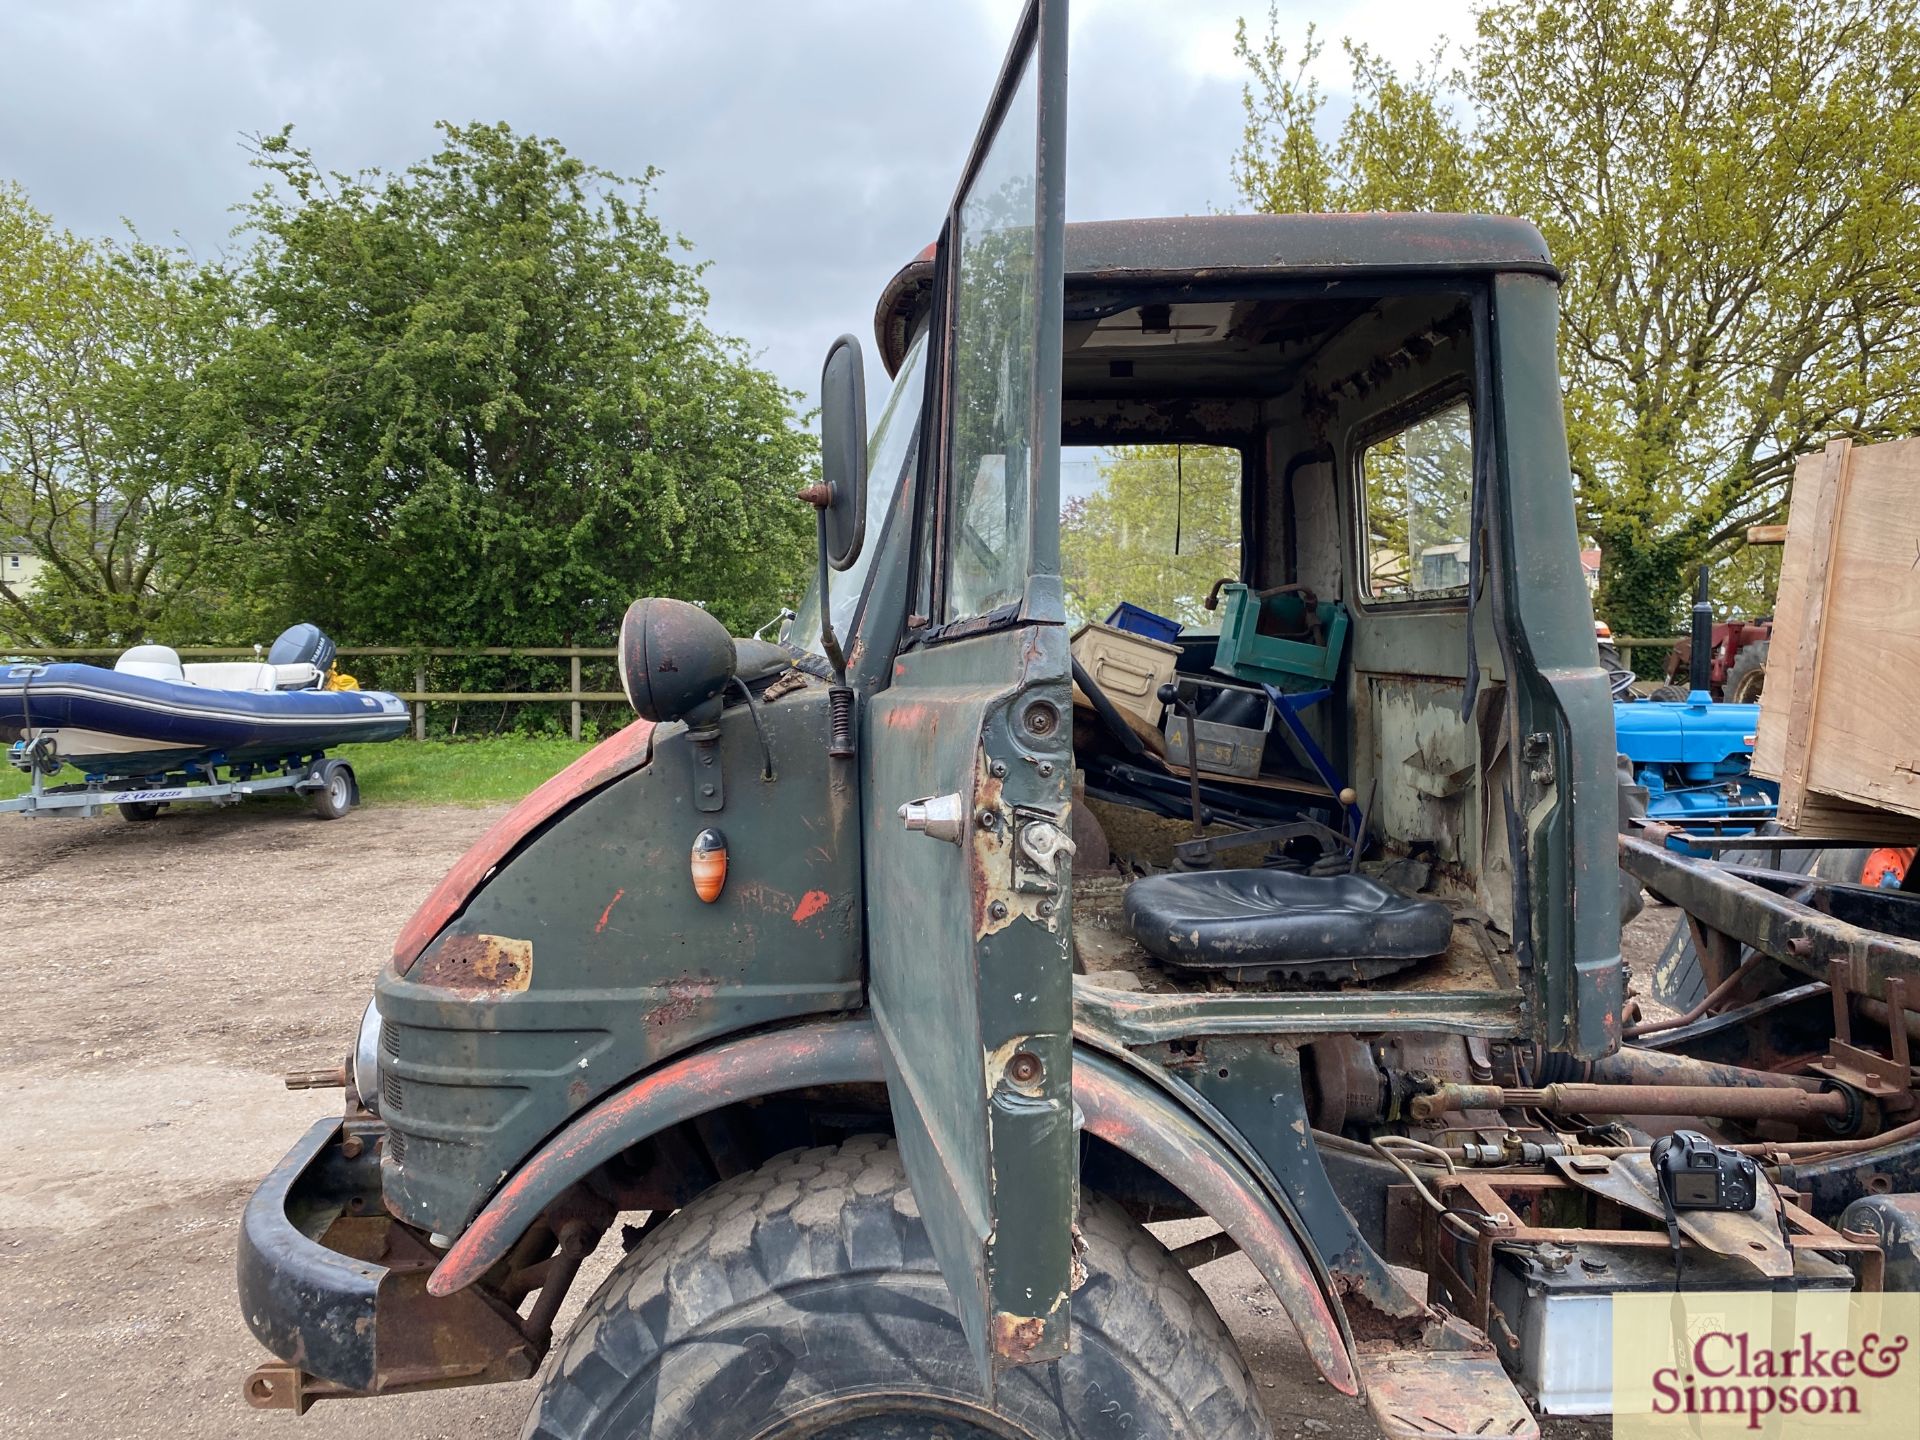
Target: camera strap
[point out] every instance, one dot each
(1673, 1230)
(1667, 1208)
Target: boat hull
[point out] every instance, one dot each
(107, 723)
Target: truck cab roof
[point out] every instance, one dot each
(1225, 248)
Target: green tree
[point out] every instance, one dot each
(1733, 193)
(485, 406)
(112, 468)
(1162, 527)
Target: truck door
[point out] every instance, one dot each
(968, 751)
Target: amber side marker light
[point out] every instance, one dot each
(709, 864)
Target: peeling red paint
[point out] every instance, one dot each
(612, 758)
(836, 1053)
(1123, 1122)
(811, 904)
(607, 914)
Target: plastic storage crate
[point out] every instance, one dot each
(1271, 638)
(1131, 617)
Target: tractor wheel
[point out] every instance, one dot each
(1747, 676)
(803, 1300)
(336, 793)
(1669, 694)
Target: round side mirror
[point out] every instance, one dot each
(842, 493)
(675, 661)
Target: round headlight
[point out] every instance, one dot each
(675, 660)
(366, 1059)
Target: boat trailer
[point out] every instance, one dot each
(329, 786)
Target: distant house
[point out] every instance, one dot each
(1590, 569)
(19, 566)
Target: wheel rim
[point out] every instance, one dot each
(337, 792)
(895, 1416)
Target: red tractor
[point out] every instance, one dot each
(1739, 666)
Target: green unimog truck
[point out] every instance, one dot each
(878, 988)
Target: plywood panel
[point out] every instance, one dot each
(1790, 603)
(1864, 732)
(1846, 639)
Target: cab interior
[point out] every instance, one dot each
(1275, 487)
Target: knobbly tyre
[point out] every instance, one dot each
(875, 988)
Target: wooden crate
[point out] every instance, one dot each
(1840, 715)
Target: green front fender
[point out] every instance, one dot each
(1119, 1106)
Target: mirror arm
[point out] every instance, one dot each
(840, 696)
(829, 641)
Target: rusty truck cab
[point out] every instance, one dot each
(1337, 433)
(1185, 793)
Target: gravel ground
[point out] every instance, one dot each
(165, 976)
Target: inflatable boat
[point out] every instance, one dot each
(151, 716)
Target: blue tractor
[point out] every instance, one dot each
(1693, 757)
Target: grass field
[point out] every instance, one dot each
(427, 772)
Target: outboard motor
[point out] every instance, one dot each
(301, 657)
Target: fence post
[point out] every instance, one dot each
(419, 706)
(573, 673)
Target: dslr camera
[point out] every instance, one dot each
(1696, 1174)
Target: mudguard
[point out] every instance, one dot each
(1121, 1108)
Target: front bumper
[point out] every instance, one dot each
(337, 1289)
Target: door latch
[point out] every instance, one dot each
(941, 817)
(1038, 846)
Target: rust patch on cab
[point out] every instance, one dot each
(1016, 1336)
(479, 965)
(685, 994)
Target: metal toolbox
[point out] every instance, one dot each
(1128, 668)
(1224, 749)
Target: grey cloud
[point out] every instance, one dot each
(807, 150)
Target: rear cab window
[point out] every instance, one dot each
(1153, 525)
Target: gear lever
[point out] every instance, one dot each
(1170, 695)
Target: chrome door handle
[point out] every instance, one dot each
(941, 817)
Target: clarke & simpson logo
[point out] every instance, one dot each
(1781, 1364)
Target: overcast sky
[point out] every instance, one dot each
(809, 147)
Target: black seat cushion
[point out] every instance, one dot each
(1279, 920)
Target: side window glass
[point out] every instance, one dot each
(1153, 525)
(990, 455)
(1417, 504)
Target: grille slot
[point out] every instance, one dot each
(397, 1145)
(390, 1091)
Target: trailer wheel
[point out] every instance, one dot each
(139, 810)
(337, 792)
(803, 1299)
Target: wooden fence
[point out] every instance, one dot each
(419, 697)
(1627, 644)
